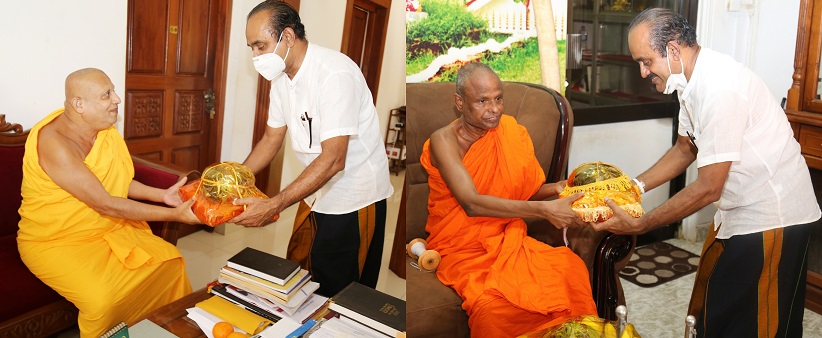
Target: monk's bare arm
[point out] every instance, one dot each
(170, 196)
(446, 157)
(66, 168)
(548, 190)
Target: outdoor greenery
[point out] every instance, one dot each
(416, 63)
(519, 63)
(449, 24)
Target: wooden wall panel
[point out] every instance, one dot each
(193, 45)
(187, 157)
(145, 39)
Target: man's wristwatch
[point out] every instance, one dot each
(640, 184)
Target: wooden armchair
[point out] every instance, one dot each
(434, 310)
(31, 308)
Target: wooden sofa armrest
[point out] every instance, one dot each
(162, 175)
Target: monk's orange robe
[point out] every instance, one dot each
(112, 269)
(510, 283)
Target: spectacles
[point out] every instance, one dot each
(690, 136)
(305, 117)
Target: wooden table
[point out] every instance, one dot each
(173, 317)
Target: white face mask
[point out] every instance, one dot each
(270, 65)
(675, 81)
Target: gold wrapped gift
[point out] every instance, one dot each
(599, 180)
(217, 189)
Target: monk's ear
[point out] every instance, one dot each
(458, 101)
(77, 104)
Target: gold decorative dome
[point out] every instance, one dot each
(599, 180)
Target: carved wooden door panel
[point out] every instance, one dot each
(169, 97)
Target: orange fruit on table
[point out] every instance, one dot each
(237, 334)
(222, 330)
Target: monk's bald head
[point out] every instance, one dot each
(471, 70)
(79, 82)
(84, 84)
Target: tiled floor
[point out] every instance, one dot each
(659, 311)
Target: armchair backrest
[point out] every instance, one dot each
(545, 114)
(12, 147)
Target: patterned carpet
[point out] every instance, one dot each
(658, 263)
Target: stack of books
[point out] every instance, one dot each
(269, 286)
(360, 311)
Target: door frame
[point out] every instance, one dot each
(379, 42)
(220, 76)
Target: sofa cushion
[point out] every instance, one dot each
(440, 305)
(20, 287)
(11, 178)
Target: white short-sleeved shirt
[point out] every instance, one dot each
(329, 90)
(734, 117)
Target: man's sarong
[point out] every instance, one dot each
(112, 269)
(510, 283)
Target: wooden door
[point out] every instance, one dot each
(171, 113)
(366, 23)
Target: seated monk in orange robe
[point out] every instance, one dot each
(484, 178)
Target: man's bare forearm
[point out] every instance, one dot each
(673, 163)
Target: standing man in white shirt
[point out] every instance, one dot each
(751, 276)
(320, 97)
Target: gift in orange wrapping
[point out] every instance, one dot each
(217, 189)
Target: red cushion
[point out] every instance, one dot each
(11, 177)
(20, 287)
(154, 178)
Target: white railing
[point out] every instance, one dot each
(508, 20)
(512, 20)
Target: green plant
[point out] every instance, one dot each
(417, 64)
(449, 24)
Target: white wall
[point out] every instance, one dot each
(762, 36)
(43, 41)
(323, 22)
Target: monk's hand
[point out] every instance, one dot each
(171, 196)
(186, 215)
(621, 222)
(258, 211)
(560, 213)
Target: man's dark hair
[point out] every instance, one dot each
(665, 26)
(467, 71)
(281, 16)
